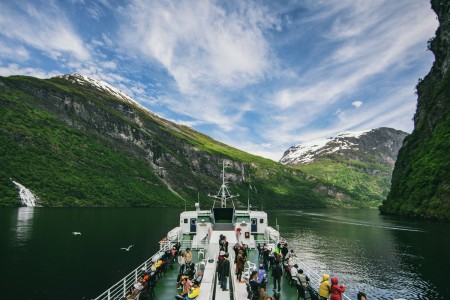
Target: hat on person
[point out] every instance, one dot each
(222, 252)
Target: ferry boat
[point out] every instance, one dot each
(200, 231)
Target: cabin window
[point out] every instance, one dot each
(261, 221)
(193, 221)
(253, 221)
(185, 221)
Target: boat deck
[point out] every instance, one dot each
(166, 287)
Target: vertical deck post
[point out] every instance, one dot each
(124, 287)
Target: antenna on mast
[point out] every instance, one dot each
(223, 193)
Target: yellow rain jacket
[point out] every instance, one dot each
(325, 286)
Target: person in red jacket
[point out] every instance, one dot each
(336, 290)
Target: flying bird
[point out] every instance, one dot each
(127, 249)
(76, 233)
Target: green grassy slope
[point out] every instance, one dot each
(74, 146)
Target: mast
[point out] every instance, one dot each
(223, 194)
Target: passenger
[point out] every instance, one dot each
(294, 273)
(225, 272)
(259, 250)
(200, 271)
(221, 237)
(266, 253)
(180, 258)
(225, 244)
(240, 262)
(173, 251)
(192, 294)
(302, 278)
(325, 287)
(190, 271)
(219, 265)
(254, 285)
(262, 276)
(236, 249)
(361, 296)
(188, 256)
(284, 251)
(336, 290)
(156, 265)
(185, 286)
(271, 259)
(290, 254)
(277, 273)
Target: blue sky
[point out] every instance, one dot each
(260, 76)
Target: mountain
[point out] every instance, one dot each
(421, 177)
(75, 141)
(360, 163)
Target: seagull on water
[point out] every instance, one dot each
(127, 249)
(76, 233)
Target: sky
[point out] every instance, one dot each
(260, 76)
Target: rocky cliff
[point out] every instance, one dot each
(421, 177)
(75, 141)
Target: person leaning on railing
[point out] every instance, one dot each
(325, 287)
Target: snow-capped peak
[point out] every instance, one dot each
(101, 86)
(305, 153)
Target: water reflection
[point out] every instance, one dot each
(363, 250)
(24, 224)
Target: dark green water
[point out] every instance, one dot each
(387, 257)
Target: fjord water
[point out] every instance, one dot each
(387, 257)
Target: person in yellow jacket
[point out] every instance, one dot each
(325, 287)
(192, 294)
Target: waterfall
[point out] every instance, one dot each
(26, 196)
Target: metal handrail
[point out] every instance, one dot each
(120, 288)
(314, 277)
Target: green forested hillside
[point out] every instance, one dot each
(421, 178)
(75, 146)
(366, 190)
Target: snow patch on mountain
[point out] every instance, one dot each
(103, 87)
(306, 153)
(26, 196)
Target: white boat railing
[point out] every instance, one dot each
(315, 277)
(120, 289)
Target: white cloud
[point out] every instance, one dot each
(15, 69)
(357, 104)
(201, 43)
(44, 28)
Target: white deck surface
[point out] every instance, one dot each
(212, 251)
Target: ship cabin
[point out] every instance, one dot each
(243, 226)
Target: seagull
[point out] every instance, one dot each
(127, 249)
(76, 233)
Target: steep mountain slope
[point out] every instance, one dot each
(74, 141)
(360, 163)
(421, 177)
